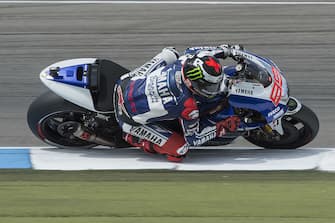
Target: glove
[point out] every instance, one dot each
(229, 124)
(226, 51)
(237, 47)
(225, 46)
(228, 48)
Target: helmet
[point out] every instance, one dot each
(203, 75)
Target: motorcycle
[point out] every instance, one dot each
(78, 111)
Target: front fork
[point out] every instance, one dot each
(293, 106)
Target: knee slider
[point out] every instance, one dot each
(175, 146)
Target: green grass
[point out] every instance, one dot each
(165, 196)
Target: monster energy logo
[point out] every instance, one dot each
(195, 74)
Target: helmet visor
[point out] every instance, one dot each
(205, 88)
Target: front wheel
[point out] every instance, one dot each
(53, 120)
(299, 129)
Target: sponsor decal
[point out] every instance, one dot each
(276, 93)
(153, 64)
(163, 90)
(246, 55)
(276, 113)
(279, 114)
(151, 136)
(203, 48)
(152, 89)
(273, 112)
(195, 74)
(204, 139)
(244, 91)
(158, 89)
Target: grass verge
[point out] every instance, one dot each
(166, 196)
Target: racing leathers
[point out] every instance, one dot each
(155, 92)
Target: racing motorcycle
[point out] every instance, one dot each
(78, 110)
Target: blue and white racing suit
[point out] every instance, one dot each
(155, 92)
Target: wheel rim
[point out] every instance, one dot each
(57, 129)
(291, 133)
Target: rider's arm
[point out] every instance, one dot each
(216, 51)
(196, 133)
(197, 130)
(167, 56)
(222, 51)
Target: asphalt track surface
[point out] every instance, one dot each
(300, 39)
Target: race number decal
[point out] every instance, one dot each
(277, 89)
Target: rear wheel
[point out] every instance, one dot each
(299, 129)
(53, 120)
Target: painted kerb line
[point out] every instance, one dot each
(170, 2)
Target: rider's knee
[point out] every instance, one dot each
(174, 146)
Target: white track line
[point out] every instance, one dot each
(171, 2)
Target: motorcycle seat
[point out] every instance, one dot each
(102, 82)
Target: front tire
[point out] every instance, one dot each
(299, 129)
(45, 118)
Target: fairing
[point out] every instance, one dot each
(68, 83)
(258, 93)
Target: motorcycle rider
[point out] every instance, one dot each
(173, 87)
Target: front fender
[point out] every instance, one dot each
(293, 106)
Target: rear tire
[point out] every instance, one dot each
(299, 129)
(46, 114)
